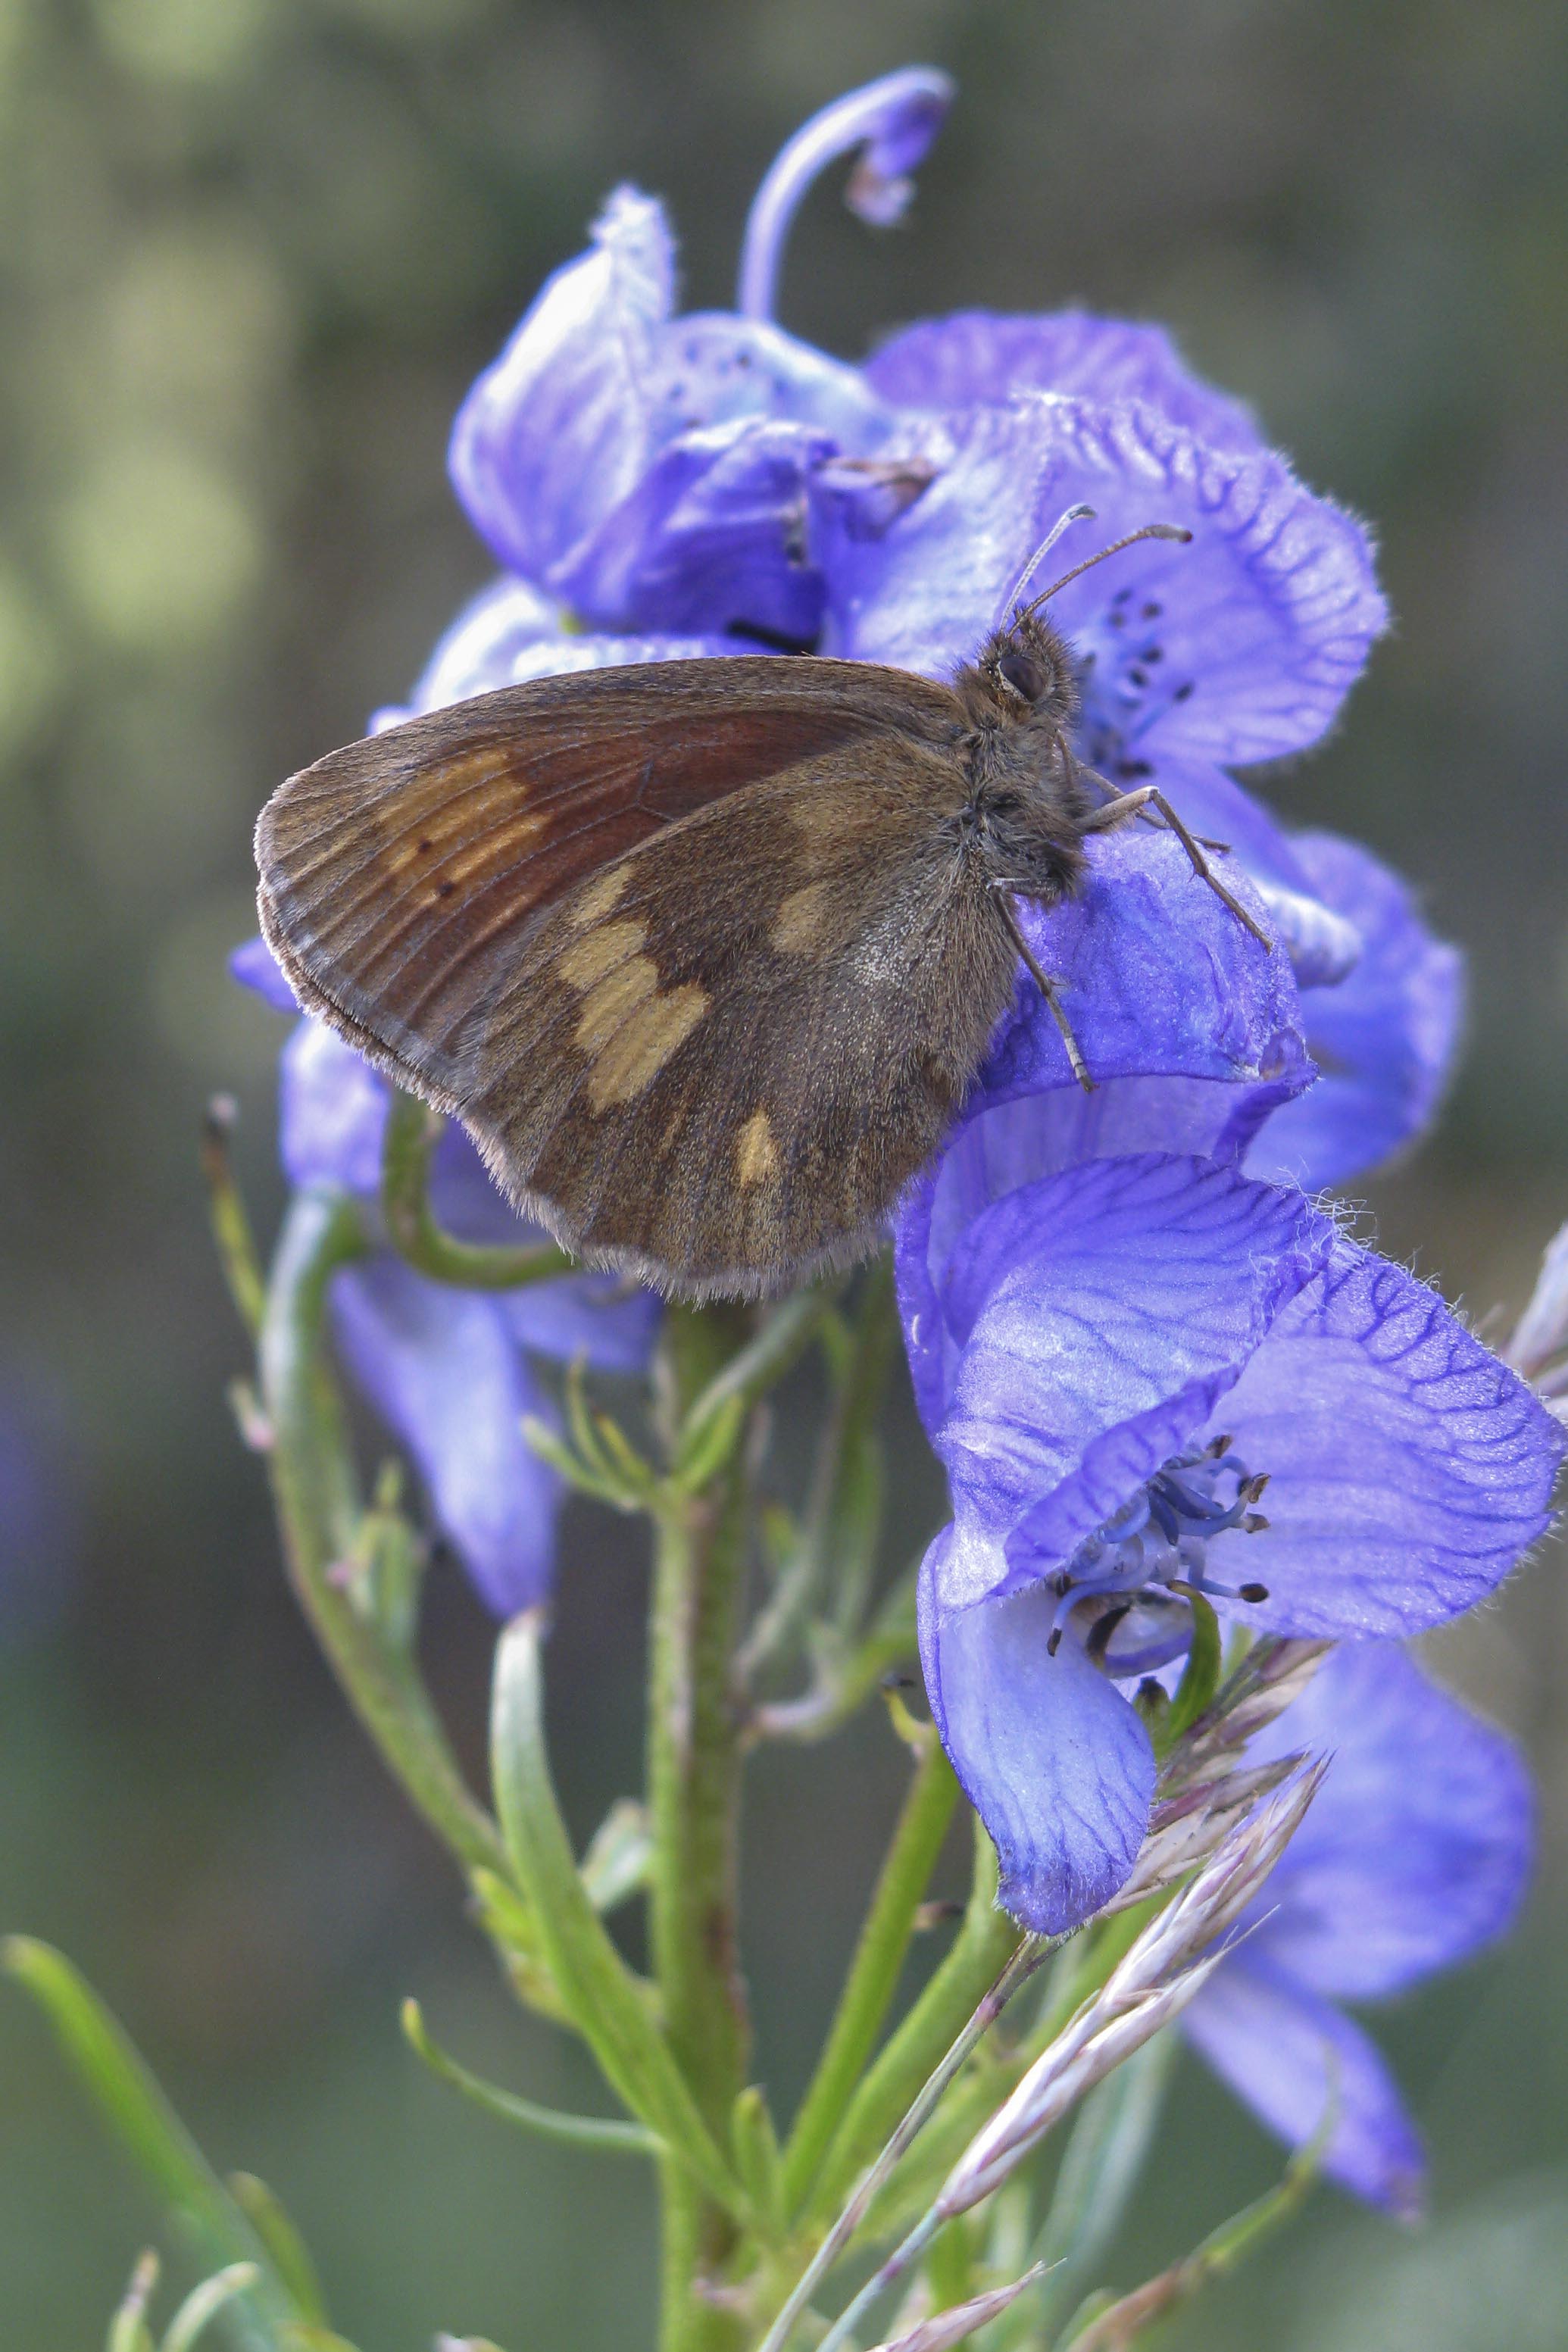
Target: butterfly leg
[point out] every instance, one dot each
(1149, 797)
(1047, 987)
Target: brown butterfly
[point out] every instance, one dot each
(703, 954)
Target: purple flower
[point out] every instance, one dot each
(447, 1370)
(650, 470)
(1124, 1355)
(1415, 1854)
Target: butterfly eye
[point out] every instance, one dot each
(1021, 672)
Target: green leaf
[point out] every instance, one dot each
(120, 2084)
(1200, 1676)
(128, 2330)
(604, 2133)
(756, 2148)
(615, 1865)
(607, 2005)
(203, 2303)
(290, 2256)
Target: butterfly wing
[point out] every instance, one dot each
(669, 939)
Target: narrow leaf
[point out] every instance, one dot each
(607, 2004)
(602, 2132)
(290, 2254)
(205, 2302)
(128, 2330)
(119, 2082)
(1200, 1675)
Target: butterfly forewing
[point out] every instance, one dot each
(696, 1038)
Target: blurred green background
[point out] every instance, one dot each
(252, 252)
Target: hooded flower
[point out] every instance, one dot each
(1414, 1855)
(448, 1370)
(1120, 1359)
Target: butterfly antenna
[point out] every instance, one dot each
(1073, 514)
(1149, 531)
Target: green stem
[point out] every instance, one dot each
(874, 1973)
(693, 1796)
(607, 2003)
(411, 1226)
(318, 1509)
(941, 2019)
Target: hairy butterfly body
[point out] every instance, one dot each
(703, 954)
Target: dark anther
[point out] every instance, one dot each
(1102, 1629)
(1255, 1593)
(1182, 691)
(897, 1682)
(1138, 677)
(1151, 611)
(1254, 1523)
(1218, 1445)
(1054, 1641)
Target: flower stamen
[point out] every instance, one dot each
(1154, 1547)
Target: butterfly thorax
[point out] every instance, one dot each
(1027, 805)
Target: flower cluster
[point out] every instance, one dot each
(1128, 1326)
(1414, 1856)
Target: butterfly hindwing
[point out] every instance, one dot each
(718, 1062)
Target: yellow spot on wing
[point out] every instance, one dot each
(597, 898)
(585, 962)
(614, 1000)
(641, 1046)
(798, 924)
(496, 850)
(756, 1153)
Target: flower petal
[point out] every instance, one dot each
(1053, 1759)
(1417, 1850)
(713, 368)
(982, 357)
(555, 433)
(709, 537)
(331, 1111)
(1266, 619)
(444, 1370)
(1287, 2053)
(1410, 1467)
(1385, 1036)
(1096, 1318)
(255, 966)
(1189, 1029)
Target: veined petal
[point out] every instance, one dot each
(712, 367)
(1288, 2053)
(555, 434)
(982, 358)
(1098, 1317)
(1417, 1850)
(1385, 1037)
(1051, 1755)
(444, 1372)
(711, 538)
(1410, 1467)
(1264, 620)
(331, 1111)
(1190, 1030)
